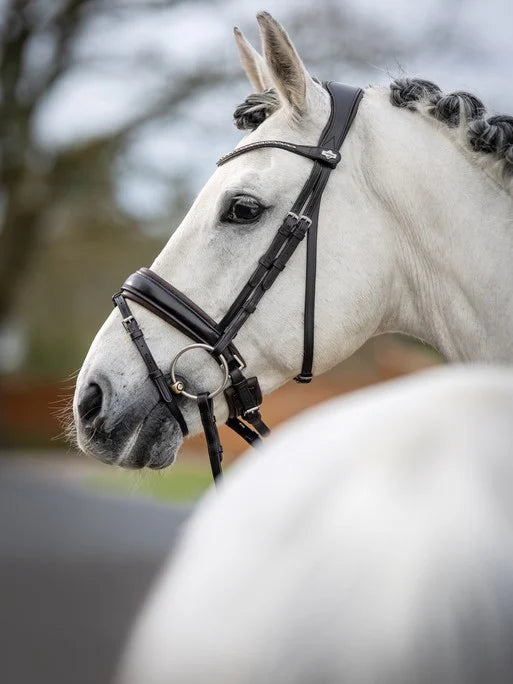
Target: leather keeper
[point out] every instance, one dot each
(235, 406)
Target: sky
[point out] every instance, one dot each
(127, 58)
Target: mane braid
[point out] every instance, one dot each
(255, 109)
(491, 136)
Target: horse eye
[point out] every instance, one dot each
(243, 209)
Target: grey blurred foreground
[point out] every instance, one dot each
(74, 569)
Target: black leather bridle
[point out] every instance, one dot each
(243, 395)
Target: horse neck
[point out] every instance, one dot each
(453, 285)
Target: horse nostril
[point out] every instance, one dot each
(90, 403)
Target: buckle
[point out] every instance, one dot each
(303, 379)
(307, 219)
(288, 225)
(237, 403)
(240, 362)
(302, 226)
(127, 322)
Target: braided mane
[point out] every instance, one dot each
(490, 138)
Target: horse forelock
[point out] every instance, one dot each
(255, 109)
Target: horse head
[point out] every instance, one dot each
(391, 256)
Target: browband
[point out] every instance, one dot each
(324, 155)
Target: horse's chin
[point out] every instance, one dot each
(149, 450)
(152, 443)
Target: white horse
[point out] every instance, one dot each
(370, 541)
(415, 235)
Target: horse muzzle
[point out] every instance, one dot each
(124, 435)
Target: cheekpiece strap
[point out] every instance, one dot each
(132, 327)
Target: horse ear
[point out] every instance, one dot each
(290, 77)
(252, 63)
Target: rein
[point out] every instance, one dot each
(242, 394)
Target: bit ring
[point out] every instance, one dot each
(176, 383)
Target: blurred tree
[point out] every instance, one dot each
(38, 184)
(31, 180)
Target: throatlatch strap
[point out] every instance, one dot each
(208, 420)
(344, 105)
(306, 375)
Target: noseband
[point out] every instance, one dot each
(242, 394)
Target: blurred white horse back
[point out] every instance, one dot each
(370, 541)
